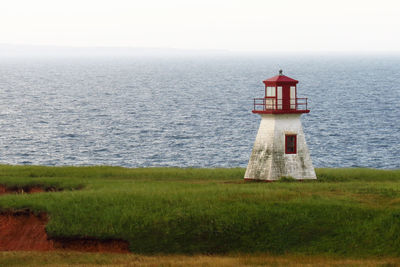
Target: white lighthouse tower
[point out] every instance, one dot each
(280, 148)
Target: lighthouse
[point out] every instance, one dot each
(280, 148)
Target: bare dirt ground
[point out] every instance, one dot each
(69, 258)
(26, 231)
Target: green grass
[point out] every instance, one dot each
(350, 212)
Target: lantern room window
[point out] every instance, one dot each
(270, 91)
(270, 98)
(290, 144)
(292, 97)
(279, 97)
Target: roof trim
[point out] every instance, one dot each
(279, 79)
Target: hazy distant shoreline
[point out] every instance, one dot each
(34, 51)
(8, 50)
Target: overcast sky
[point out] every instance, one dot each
(238, 25)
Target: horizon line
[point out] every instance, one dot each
(201, 50)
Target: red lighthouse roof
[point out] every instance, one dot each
(280, 79)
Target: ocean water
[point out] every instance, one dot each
(193, 112)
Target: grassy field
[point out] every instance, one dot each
(346, 213)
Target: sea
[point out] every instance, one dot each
(193, 111)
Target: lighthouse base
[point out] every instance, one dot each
(272, 157)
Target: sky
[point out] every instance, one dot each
(234, 25)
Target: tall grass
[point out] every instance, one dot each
(121, 173)
(170, 210)
(356, 174)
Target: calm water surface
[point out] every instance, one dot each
(192, 111)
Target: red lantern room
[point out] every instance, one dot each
(280, 97)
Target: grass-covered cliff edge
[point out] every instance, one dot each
(351, 212)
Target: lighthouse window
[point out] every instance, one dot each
(290, 143)
(292, 97)
(279, 97)
(270, 91)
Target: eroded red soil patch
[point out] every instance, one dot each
(26, 231)
(22, 190)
